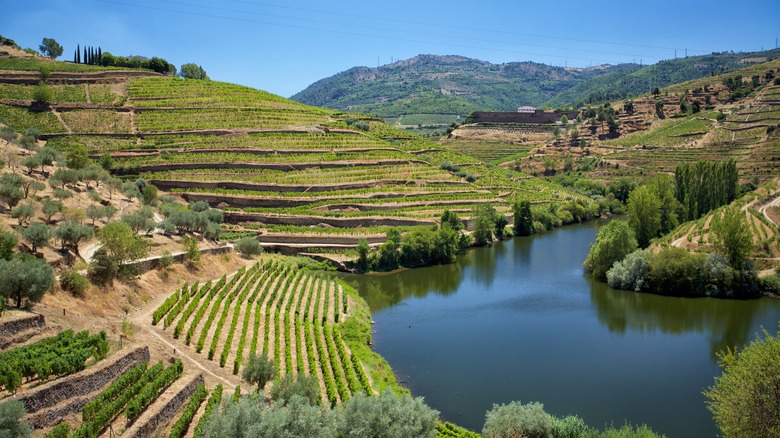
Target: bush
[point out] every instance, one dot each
(103, 268)
(744, 400)
(629, 273)
(675, 271)
(571, 427)
(42, 94)
(11, 424)
(74, 282)
(614, 241)
(248, 246)
(516, 419)
(190, 245)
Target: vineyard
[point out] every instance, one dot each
(293, 316)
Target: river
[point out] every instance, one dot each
(522, 321)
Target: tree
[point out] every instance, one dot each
(671, 209)
(499, 225)
(286, 388)
(192, 253)
(248, 246)
(42, 94)
(12, 413)
(50, 207)
(8, 242)
(77, 157)
(644, 215)
(120, 243)
(10, 189)
(36, 234)
(51, 48)
(149, 194)
(614, 242)
(733, 236)
(25, 276)
(744, 400)
(23, 213)
(450, 219)
(193, 71)
(523, 219)
(364, 251)
(259, 370)
(564, 120)
(484, 217)
(386, 416)
(517, 420)
(71, 233)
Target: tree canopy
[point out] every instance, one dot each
(51, 48)
(25, 276)
(744, 400)
(614, 242)
(193, 71)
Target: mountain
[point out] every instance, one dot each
(438, 90)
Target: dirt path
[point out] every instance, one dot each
(774, 203)
(301, 323)
(259, 342)
(59, 117)
(86, 93)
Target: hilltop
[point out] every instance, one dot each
(440, 90)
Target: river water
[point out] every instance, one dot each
(522, 321)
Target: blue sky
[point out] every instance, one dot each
(283, 47)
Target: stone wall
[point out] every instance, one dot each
(235, 185)
(82, 383)
(153, 262)
(166, 413)
(8, 329)
(234, 217)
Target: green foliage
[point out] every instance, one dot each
(71, 234)
(704, 186)
(733, 236)
(644, 214)
(42, 94)
(363, 250)
(27, 277)
(73, 282)
(23, 212)
(258, 370)
(744, 399)
(113, 391)
(613, 242)
(386, 415)
(675, 271)
(192, 253)
(484, 217)
(516, 420)
(59, 355)
(183, 423)
(103, 267)
(61, 430)
(10, 190)
(150, 392)
(248, 246)
(11, 420)
(149, 194)
(120, 243)
(285, 389)
(8, 242)
(193, 71)
(630, 273)
(51, 48)
(211, 404)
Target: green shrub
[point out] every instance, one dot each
(571, 427)
(74, 282)
(516, 419)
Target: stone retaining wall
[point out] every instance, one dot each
(8, 329)
(82, 383)
(235, 185)
(234, 217)
(150, 263)
(167, 412)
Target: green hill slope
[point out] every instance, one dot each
(438, 90)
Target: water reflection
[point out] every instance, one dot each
(725, 322)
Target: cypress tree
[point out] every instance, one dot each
(85, 55)
(76, 56)
(100, 56)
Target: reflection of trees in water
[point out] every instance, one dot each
(484, 262)
(727, 323)
(383, 290)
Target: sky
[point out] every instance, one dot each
(283, 47)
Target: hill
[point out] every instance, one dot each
(439, 90)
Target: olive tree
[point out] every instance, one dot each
(259, 370)
(25, 276)
(51, 48)
(517, 420)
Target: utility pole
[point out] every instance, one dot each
(675, 53)
(686, 52)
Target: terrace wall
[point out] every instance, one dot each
(8, 329)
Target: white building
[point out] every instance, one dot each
(526, 109)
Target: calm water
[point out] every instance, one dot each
(521, 321)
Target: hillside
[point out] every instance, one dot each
(440, 90)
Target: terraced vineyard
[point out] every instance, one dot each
(270, 162)
(291, 315)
